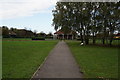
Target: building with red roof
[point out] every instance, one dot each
(60, 34)
(117, 36)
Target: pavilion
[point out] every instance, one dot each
(63, 35)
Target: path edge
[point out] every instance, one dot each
(43, 62)
(80, 69)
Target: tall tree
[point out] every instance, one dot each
(87, 18)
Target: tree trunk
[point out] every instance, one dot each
(110, 42)
(81, 37)
(103, 40)
(84, 37)
(111, 38)
(87, 41)
(87, 37)
(93, 38)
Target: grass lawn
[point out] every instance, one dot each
(95, 61)
(20, 59)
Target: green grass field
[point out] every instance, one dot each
(95, 61)
(20, 59)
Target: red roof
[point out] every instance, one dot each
(59, 32)
(118, 34)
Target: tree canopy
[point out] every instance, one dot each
(88, 19)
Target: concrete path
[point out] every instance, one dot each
(59, 64)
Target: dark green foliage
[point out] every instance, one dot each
(88, 19)
(38, 38)
(5, 32)
(16, 33)
(48, 37)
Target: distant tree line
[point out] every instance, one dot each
(92, 20)
(22, 33)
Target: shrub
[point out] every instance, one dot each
(78, 39)
(49, 37)
(38, 38)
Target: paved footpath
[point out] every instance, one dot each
(59, 64)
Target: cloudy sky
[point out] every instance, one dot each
(32, 14)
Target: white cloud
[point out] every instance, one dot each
(20, 8)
